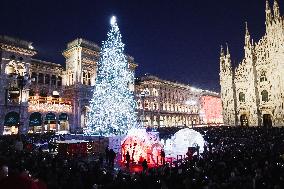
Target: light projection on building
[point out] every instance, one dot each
(211, 110)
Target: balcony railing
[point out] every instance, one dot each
(49, 104)
(48, 100)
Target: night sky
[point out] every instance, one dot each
(175, 40)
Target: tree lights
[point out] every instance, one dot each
(112, 107)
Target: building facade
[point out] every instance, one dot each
(31, 91)
(163, 103)
(39, 96)
(253, 92)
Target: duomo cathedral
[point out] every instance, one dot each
(253, 93)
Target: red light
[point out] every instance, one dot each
(140, 148)
(212, 110)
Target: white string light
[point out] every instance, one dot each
(112, 107)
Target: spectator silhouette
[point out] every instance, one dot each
(163, 155)
(107, 155)
(145, 165)
(112, 156)
(127, 158)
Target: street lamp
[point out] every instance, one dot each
(22, 81)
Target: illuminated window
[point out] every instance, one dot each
(263, 77)
(146, 105)
(10, 70)
(139, 104)
(40, 78)
(21, 69)
(155, 92)
(47, 79)
(264, 96)
(34, 77)
(71, 76)
(89, 78)
(53, 80)
(242, 97)
(147, 92)
(43, 93)
(59, 81)
(31, 92)
(84, 78)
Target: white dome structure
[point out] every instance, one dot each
(179, 143)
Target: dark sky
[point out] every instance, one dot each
(177, 40)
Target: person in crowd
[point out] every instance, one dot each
(50, 146)
(3, 171)
(19, 146)
(107, 155)
(101, 159)
(145, 165)
(18, 180)
(163, 155)
(237, 157)
(112, 156)
(132, 156)
(127, 158)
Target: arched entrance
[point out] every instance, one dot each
(35, 123)
(11, 123)
(267, 120)
(50, 123)
(244, 120)
(63, 123)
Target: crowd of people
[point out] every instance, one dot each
(233, 157)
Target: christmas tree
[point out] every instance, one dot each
(112, 107)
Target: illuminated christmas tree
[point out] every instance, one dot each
(112, 107)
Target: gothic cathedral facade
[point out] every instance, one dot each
(253, 92)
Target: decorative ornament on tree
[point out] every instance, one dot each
(112, 107)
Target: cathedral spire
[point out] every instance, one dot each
(247, 31)
(225, 61)
(228, 52)
(276, 10)
(247, 36)
(222, 54)
(268, 13)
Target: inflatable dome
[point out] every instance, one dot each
(179, 143)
